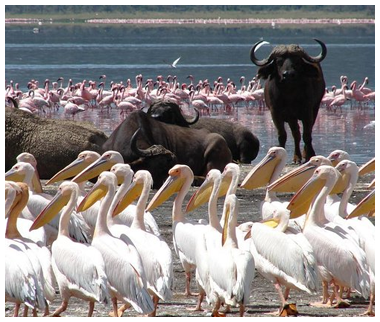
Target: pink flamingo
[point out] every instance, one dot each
(199, 104)
(73, 109)
(339, 100)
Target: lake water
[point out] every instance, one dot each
(123, 51)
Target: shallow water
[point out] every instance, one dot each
(123, 51)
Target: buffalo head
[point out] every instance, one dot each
(288, 62)
(170, 113)
(156, 159)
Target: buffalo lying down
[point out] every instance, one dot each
(293, 91)
(243, 144)
(199, 149)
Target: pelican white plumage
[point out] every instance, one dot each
(232, 270)
(24, 172)
(155, 253)
(186, 234)
(79, 268)
(338, 155)
(22, 284)
(212, 234)
(330, 248)
(295, 268)
(267, 172)
(39, 255)
(124, 270)
(366, 207)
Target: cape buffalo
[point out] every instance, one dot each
(243, 144)
(293, 91)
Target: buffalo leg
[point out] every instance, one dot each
(295, 128)
(307, 139)
(281, 132)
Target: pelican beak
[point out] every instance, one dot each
(201, 196)
(172, 185)
(368, 167)
(13, 175)
(261, 174)
(51, 210)
(69, 171)
(365, 206)
(134, 191)
(97, 192)
(293, 180)
(270, 222)
(94, 169)
(227, 213)
(304, 196)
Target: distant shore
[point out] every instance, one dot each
(219, 21)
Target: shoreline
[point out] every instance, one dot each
(200, 21)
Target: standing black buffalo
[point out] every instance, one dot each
(293, 91)
(243, 144)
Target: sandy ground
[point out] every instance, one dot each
(264, 298)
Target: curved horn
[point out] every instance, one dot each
(320, 57)
(254, 60)
(194, 119)
(135, 149)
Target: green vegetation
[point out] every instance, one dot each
(81, 13)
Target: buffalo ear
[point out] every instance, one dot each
(265, 71)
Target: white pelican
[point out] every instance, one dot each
(186, 234)
(212, 234)
(367, 206)
(38, 236)
(29, 158)
(79, 268)
(124, 270)
(22, 285)
(24, 172)
(330, 248)
(39, 257)
(231, 269)
(284, 257)
(266, 172)
(88, 165)
(155, 254)
(338, 155)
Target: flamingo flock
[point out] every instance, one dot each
(299, 245)
(75, 98)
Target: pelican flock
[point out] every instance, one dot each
(302, 234)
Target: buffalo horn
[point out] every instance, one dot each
(135, 149)
(195, 118)
(320, 57)
(254, 60)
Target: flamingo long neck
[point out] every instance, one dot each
(101, 222)
(177, 214)
(213, 207)
(138, 220)
(64, 220)
(347, 194)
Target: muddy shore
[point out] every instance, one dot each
(264, 298)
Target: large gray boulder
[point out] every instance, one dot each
(53, 142)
